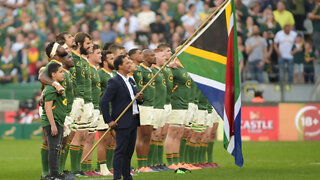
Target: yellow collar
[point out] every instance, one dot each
(58, 62)
(144, 66)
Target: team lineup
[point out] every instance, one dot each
(82, 95)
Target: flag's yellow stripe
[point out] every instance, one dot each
(206, 54)
(228, 14)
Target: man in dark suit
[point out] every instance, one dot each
(120, 92)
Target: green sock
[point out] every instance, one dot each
(141, 161)
(169, 159)
(192, 153)
(83, 166)
(150, 153)
(182, 150)
(175, 158)
(155, 159)
(109, 156)
(187, 152)
(44, 159)
(89, 165)
(203, 152)
(61, 159)
(80, 156)
(210, 152)
(160, 153)
(74, 151)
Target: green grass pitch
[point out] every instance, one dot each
(20, 160)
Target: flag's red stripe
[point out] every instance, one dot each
(229, 93)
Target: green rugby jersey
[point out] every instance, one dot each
(104, 78)
(68, 86)
(181, 88)
(96, 89)
(194, 97)
(160, 89)
(142, 76)
(78, 73)
(209, 107)
(87, 83)
(59, 106)
(169, 82)
(203, 101)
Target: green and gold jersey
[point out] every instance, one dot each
(142, 76)
(181, 88)
(203, 101)
(59, 106)
(68, 86)
(96, 89)
(169, 82)
(194, 97)
(209, 107)
(78, 73)
(104, 78)
(87, 83)
(160, 89)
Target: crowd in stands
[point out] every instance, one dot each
(277, 39)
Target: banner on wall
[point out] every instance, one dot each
(260, 123)
(299, 122)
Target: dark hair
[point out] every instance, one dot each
(118, 61)
(60, 38)
(163, 46)
(113, 48)
(53, 68)
(133, 51)
(95, 47)
(104, 54)
(49, 49)
(80, 37)
(107, 45)
(190, 6)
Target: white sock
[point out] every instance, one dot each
(104, 170)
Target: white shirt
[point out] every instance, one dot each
(134, 105)
(285, 42)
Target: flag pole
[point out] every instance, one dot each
(162, 67)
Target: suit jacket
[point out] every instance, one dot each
(118, 94)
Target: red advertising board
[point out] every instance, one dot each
(259, 123)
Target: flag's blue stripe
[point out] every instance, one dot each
(215, 97)
(237, 152)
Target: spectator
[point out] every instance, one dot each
(129, 19)
(298, 10)
(247, 28)
(256, 48)
(282, 16)
(107, 34)
(309, 58)
(258, 98)
(157, 26)
(272, 63)
(284, 41)
(109, 14)
(164, 12)
(181, 10)
(190, 21)
(8, 67)
(154, 41)
(146, 16)
(241, 10)
(315, 18)
(205, 13)
(270, 24)
(175, 40)
(298, 59)
(78, 12)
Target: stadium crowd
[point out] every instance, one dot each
(28, 25)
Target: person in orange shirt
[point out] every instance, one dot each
(257, 97)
